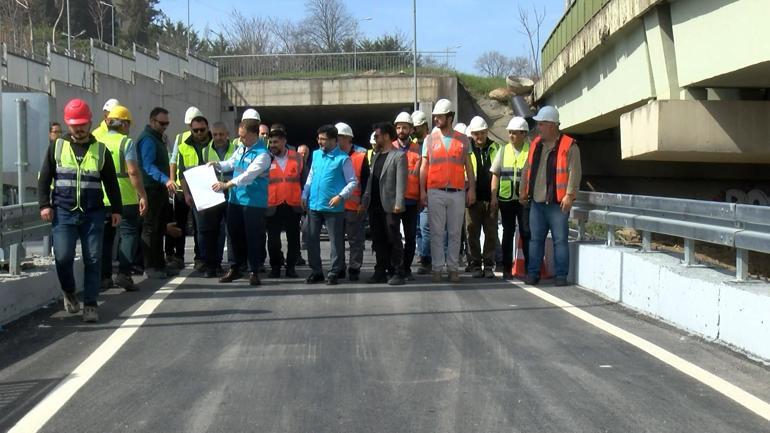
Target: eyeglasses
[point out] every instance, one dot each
(198, 130)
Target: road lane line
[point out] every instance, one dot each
(733, 392)
(36, 418)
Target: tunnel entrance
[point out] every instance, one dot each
(302, 122)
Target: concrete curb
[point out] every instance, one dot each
(700, 300)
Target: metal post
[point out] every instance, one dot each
(69, 31)
(188, 27)
(414, 51)
(112, 22)
(741, 264)
(355, 49)
(646, 241)
(610, 236)
(21, 146)
(581, 230)
(689, 252)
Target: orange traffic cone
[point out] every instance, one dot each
(519, 267)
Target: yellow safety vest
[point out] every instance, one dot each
(117, 144)
(78, 186)
(510, 171)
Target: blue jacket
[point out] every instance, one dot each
(328, 179)
(253, 194)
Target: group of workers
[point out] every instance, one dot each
(423, 192)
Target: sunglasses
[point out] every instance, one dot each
(162, 123)
(198, 130)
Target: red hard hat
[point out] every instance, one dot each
(77, 112)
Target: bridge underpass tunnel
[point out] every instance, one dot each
(302, 122)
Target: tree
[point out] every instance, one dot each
(248, 35)
(98, 13)
(530, 27)
(138, 20)
(494, 64)
(328, 24)
(174, 35)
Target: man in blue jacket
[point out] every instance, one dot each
(330, 182)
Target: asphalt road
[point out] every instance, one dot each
(479, 356)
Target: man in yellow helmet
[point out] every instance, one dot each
(133, 197)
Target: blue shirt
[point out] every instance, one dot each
(147, 153)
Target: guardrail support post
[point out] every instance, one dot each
(741, 264)
(610, 236)
(14, 263)
(46, 246)
(646, 242)
(581, 230)
(689, 252)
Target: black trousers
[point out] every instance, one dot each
(210, 230)
(154, 228)
(408, 219)
(175, 246)
(246, 226)
(285, 219)
(386, 240)
(510, 213)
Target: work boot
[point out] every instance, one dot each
(377, 278)
(89, 314)
(436, 277)
(332, 279)
(454, 277)
(290, 272)
(254, 279)
(314, 278)
(71, 303)
(231, 275)
(126, 282)
(396, 280)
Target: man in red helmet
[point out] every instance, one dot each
(77, 166)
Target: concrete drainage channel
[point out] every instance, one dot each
(697, 299)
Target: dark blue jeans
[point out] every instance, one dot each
(542, 218)
(335, 225)
(246, 227)
(66, 229)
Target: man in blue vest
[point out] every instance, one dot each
(330, 182)
(77, 166)
(247, 201)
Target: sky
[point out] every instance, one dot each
(476, 26)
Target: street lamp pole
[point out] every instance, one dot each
(355, 45)
(188, 27)
(414, 51)
(69, 31)
(112, 19)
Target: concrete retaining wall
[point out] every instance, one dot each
(27, 294)
(700, 300)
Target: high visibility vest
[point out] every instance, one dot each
(210, 155)
(178, 140)
(78, 186)
(447, 167)
(117, 144)
(562, 164)
(510, 171)
(357, 158)
(100, 130)
(369, 154)
(413, 158)
(493, 149)
(189, 155)
(285, 185)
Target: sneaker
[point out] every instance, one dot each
(89, 314)
(436, 277)
(274, 273)
(291, 273)
(454, 277)
(531, 280)
(199, 266)
(377, 279)
(71, 303)
(423, 270)
(489, 273)
(560, 282)
(477, 273)
(396, 280)
(126, 282)
(332, 280)
(301, 261)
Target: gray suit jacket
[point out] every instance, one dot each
(392, 181)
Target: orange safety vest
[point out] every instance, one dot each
(354, 202)
(285, 184)
(562, 163)
(447, 167)
(413, 157)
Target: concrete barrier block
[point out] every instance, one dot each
(690, 301)
(745, 318)
(599, 268)
(640, 283)
(26, 294)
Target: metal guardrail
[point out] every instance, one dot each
(743, 227)
(311, 65)
(19, 224)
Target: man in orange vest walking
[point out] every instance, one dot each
(445, 166)
(408, 217)
(354, 219)
(284, 204)
(549, 183)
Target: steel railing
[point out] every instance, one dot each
(742, 227)
(309, 65)
(19, 224)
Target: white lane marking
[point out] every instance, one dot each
(36, 418)
(740, 396)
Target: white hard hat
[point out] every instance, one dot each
(404, 117)
(191, 114)
(372, 141)
(478, 124)
(344, 129)
(419, 118)
(110, 104)
(518, 124)
(547, 114)
(251, 114)
(461, 127)
(443, 106)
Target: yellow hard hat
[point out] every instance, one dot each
(119, 112)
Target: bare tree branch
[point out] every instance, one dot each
(530, 27)
(328, 24)
(98, 14)
(248, 35)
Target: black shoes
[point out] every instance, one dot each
(377, 279)
(230, 276)
(254, 279)
(291, 273)
(354, 274)
(396, 280)
(274, 273)
(342, 274)
(531, 280)
(314, 278)
(332, 279)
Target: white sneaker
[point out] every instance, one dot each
(71, 303)
(90, 314)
